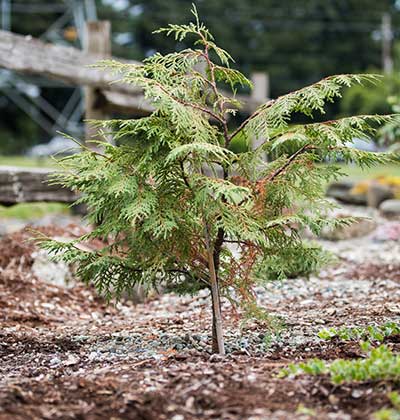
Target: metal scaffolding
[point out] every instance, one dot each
(26, 91)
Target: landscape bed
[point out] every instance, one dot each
(174, 207)
(66, 354)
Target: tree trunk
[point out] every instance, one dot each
(217, 332)
(217, 328)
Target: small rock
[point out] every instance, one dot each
(93, 356)
(72, 360)
(251, 377)
(390, 208)
(341, 191)
(356, 393)
(359, 228)
(333, 399)
(57, 273)
(389, 231)
(178, 417)
(190, 402)
(377, 193)
(395, 309)
(55, 361)
(8, 226)
(215, 358)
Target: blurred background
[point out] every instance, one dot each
(296, 43)
(282, 45)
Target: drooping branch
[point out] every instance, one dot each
(291, 159)
(318, 89)
(189, 104)
(247, 121)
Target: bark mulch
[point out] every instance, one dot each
(65, 354)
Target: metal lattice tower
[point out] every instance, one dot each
(26, 91)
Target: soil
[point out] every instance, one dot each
(66, 354)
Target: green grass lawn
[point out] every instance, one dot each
(354, 172)
(27, 162)
(29, 211)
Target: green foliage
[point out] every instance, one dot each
(240, 144)
(371, 332)
(378, 98)
(302, 262)
(390, 132)
(176, 206)
(380, 364)
(390, 413)
(372, 99)
(305, 411)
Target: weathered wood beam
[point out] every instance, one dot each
(124, 104)
(97, 40)
(25, 185)
(28, 55)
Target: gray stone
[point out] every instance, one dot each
(215, 358)
(341, 191)
(358, 229)
(389, 231)
(55, 361)
(377, 193)
(8, 226)
(57, 273)
(390, 208)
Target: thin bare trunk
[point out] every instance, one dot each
(217, 328)
(214, 343)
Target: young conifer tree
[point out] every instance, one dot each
(177, 207)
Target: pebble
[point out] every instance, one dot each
(72, 360)
(178, 417)
(55, 361)
(94, 356)
(216, 358)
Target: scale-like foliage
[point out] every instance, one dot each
(175, 206)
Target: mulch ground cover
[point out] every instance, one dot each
(65, 354)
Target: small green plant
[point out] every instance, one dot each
(176, 206)
(372, 333)
(306, 411)
(380, 364)
(390, 413)
(390, 133)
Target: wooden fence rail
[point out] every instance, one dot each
(28, 55)
(25, 54)
(22, 185)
